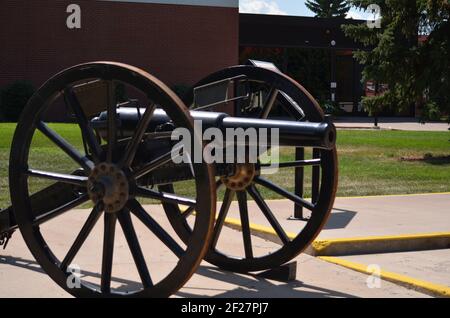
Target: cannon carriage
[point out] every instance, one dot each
(123, 158)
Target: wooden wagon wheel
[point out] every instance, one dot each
(105, 178)
(301, 106)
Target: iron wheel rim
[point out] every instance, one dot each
(329, 178)
(196, 247)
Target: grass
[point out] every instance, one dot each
(44, 156)
(370, 162)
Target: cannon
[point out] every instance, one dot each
(123, 155)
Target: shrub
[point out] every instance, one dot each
(331, 108)
(14, 98)
(328, 107)
(431, 111)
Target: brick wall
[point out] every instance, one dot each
(177, 43)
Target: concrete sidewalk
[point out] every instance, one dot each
(432, 266)
(21, 276)
(390, 230)
(367, 216)
(396, 123)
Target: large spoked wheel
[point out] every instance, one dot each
(271, 89)
(101, 174)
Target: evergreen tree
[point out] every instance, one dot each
(328, 8)
(416, 69)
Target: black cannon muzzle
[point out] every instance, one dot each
(291, 133)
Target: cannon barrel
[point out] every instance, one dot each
(291, 133)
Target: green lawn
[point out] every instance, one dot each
(370, 161)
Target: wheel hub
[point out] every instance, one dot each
(243, 177)
(108, 185)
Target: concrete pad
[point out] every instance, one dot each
(367, 216)
(315, 279)
(21, 276)
(432, 266)
(378, 222)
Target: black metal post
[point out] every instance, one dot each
(299, 182)
(333, 84)
(315, 189)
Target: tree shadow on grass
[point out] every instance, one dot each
(429, 159)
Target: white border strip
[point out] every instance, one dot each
(205, 3)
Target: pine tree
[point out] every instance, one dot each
(328, 8)
(416, 72)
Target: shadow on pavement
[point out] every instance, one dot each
(245, 286)
(339, 219)
(250, 286)
(34, 266)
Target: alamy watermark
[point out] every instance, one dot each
(235, 145)
(375, 10)
(374, 280)
(74, 278)
(74, 19)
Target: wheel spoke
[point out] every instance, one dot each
(83, 122)
(73, 153)
(159, 135)
(188, 212)
(254, 193)
(164, 197)
(191, 210)
(245, 223)
(81, 238)
(271, 186)
(135, 248)
(270, 102)
(41, 219)
(108, 252)
(227, 200)
(130, 153)
(63, 178)
(112, 121)
(137, 209)
(296, 164)
(155, 164)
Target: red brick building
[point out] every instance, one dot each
(179, 41)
